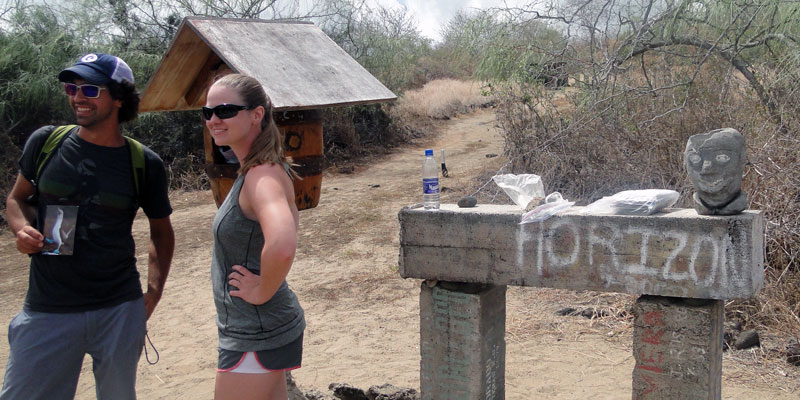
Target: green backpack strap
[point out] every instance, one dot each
(137, 159)
(51, 143)
(59, 134)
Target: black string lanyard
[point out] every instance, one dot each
(146, 354)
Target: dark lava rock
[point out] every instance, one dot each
(391, 392)
(586, 313)
(732, 329)
(747, 339)
(793, 353)
(386, 391)
(594, 313)
(467, 202)
(566, 311)
(491, 155)
(314, 394)
(728, 338)
(344, 391)
(293, 391)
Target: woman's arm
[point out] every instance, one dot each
(264, 198)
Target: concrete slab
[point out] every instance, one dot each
(675, 253)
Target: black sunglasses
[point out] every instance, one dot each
(89, 91)
(223, 111)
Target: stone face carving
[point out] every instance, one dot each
(715, 164)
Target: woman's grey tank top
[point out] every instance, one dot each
(244, 326)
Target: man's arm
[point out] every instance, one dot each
(162, 244)
(21, 215)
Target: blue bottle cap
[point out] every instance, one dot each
(428, 152)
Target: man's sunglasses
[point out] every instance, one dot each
(223, 111)
(90, 91)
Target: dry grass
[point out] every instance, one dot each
(591, 149)
(442, 99)
(186, 174)
(530, 312)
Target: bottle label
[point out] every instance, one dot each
(430, 185)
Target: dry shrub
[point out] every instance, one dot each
(442, 99)
(186, 174)
(354, 133)
(339, 133)
(602, 144)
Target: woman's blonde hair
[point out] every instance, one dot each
(268, 145)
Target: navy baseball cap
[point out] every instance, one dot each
(98, 69)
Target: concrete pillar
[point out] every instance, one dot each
(677, 345)
(462, 335)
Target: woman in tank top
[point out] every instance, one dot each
(259, 318)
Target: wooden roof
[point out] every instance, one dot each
(299, 66)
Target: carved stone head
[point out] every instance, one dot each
(715, 164)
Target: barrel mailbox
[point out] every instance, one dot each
(302, 139)
(301, 69)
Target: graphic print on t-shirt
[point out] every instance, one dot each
(59, 229)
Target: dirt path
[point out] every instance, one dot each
(363, 319)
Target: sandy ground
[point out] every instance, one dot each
(363, 319)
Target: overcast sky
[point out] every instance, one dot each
(432, 15)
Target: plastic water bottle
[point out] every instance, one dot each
(430, 181)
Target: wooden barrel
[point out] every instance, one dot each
(302, 139)
(302, 131)
(220, 174)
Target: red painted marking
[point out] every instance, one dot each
(652, 386)
(654, 318)
(650, 360)
(652, 337)
(652, 368)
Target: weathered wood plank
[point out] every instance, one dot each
(196, 93)
(300, 67)
(179, 68)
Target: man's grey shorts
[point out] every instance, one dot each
(47, 350)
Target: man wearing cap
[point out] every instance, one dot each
(90, 301)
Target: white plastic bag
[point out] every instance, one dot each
(553, 204)
(520, 188)
(633, 202)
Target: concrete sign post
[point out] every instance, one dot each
(677, 253)
(463, 341)
(677, 348)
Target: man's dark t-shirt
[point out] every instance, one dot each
(101, 272)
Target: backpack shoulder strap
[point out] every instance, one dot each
(137, 159)
(52, 142)
(59, 134)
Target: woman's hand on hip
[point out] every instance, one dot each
(247, 285)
